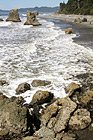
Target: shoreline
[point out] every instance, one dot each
(85, 29)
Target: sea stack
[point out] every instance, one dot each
(31, 19)
(13, 16)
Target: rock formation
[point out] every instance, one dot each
(13, 16)
(31, 19)
(36, 83)
(66, 118)
(23, 87)
(68, 31)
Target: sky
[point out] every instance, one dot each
(11, 4)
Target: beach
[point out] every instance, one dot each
(83, 29)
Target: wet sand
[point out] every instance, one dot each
(83, 30)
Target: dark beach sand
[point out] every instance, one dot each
(84, 30)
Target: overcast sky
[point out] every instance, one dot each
(11, 4)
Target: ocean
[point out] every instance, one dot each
(44, 52)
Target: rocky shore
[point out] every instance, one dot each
(47, 117)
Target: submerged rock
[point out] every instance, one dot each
(80, 119)
(14, 16)
(41, 97)
(31, 19)
(23, 87)
(68, 31)
(3, 82)
(36, 83)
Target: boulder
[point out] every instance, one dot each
(13, 119)
(69, 136)
(68, 31)
(41, 97)
(68, 107)
(45, 132)
(13, 16)
(31, 19)
(84, 20)
(1, 19)
(80, 119)
(23, 87)
(72, 88)
(48, 114)
(3, 82)
(86, 97)
(36, 83)
(77, 20)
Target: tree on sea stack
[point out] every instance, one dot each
(13, 16)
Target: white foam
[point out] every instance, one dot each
(43, 52)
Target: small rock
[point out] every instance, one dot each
(22, 88)
(13, 16)
(84, 20)
(77, 20)
(69, 136)
(3, 82)
(37, 83)
(59, 136)
(68, 31)
(30, 138)
(80, 119)
(45, 132)
(4, 133)
(1, 19)
(72, 88)
(41, 97)
(3, 97)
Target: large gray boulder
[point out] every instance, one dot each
(31, 19)
(13, 16)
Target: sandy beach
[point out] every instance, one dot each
(84, 29)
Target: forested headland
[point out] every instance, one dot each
(82, 7)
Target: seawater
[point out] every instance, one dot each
(44, 52)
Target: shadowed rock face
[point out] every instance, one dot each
(13, 16)
(12, 118)
(31, 19)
